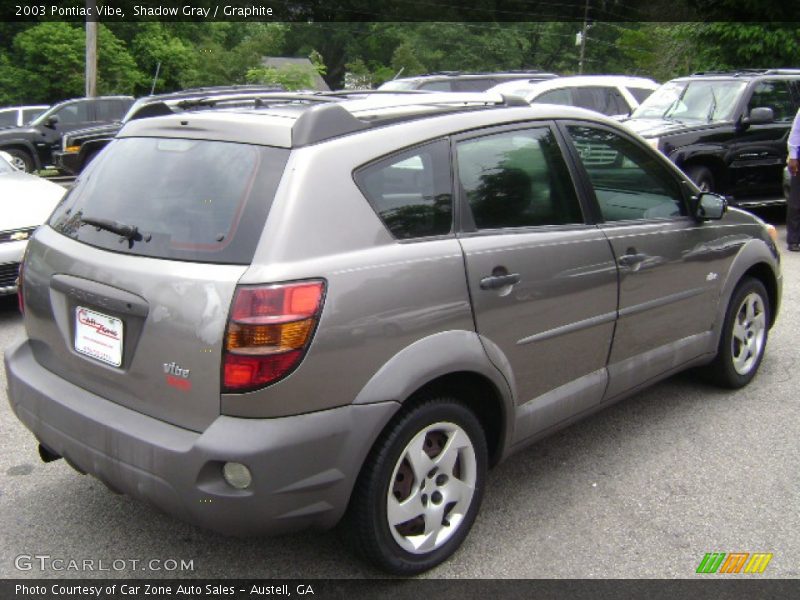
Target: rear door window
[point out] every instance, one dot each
(517, 179)
(111, 110)
(605, 100)
(559, 96)
(411, 191)
(196, 200)
(436, 86)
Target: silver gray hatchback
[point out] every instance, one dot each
(270, 317)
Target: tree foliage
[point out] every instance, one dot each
(44, 62)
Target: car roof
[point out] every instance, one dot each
(537, 87)
(296, 120)
(23, 106)
(740, 74)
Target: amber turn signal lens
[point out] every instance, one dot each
(269, 339)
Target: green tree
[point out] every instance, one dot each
(47, 64)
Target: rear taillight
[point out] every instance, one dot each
(268, 333)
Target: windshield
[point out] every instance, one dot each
(196, 200)
(692, 100)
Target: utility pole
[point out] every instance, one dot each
(91, 49)
(583, 37)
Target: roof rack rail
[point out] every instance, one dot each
(345, 93)
(326, 121)
(735, 72)
(783, 72)
(257, 97)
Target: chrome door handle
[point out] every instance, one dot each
(496, 282)
(630, 260)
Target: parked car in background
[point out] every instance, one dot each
(25, 203)
(17, 116)
(31, 146)
(502, 270)
(456, 81)
(79, 147)
(611, 95)
(726, 130)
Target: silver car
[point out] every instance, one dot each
(352, 305)
(26, 202)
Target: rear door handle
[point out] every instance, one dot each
(630, 260)
(495, 282)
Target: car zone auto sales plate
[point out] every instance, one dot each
(98, 335)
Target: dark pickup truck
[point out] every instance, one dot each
(80, 146)
(727, 131)
(31, 146)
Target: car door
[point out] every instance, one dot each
(543, 281)
(670, 265)
(71, 116)
(758, 151)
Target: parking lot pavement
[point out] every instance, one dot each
(643, 490)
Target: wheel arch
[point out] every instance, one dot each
(717, 167)
(763, 273)
(755, 260)
(452, 363)
(25, 146)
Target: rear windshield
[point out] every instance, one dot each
(193, 200)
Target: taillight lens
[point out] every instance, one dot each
(269, 332)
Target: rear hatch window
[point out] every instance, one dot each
(192, 200)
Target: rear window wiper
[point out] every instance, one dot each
(128, 232)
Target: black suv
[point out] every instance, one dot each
(726, 130)
(79, 147)
(456, 81)
(31, 147)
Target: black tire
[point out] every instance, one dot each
(431, 424)
(736, 363)
(703, 177)
(22, 160)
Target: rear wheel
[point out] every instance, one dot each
(21, 160)
(744, 336)
(420, 490)
(703, 177)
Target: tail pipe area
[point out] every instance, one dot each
(47, 455)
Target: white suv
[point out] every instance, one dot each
(610, 95)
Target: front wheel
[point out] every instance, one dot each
(744, 336)
(21, 160)
(420, 490)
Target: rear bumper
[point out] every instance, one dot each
(303, 467)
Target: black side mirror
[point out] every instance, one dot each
(51, 121)
(709, 206)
